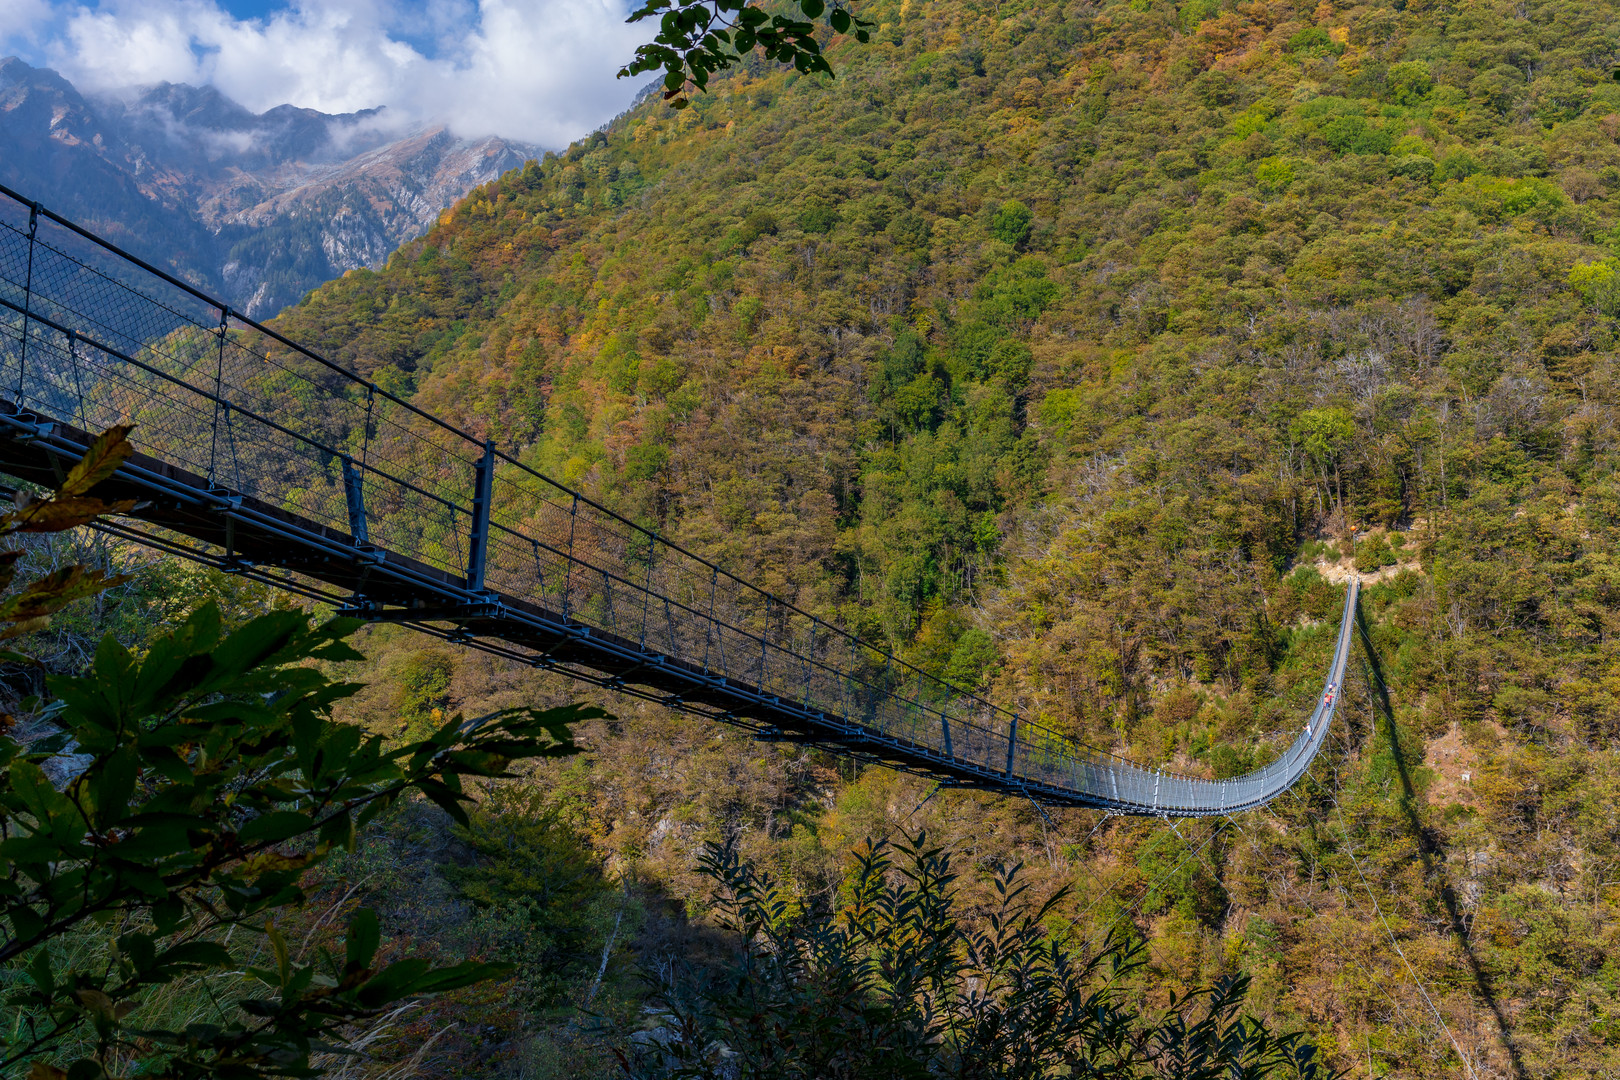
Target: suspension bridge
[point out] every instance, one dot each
(260, 457)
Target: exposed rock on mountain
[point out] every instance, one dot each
(259, 206)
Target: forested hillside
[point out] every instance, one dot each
(1065, 348)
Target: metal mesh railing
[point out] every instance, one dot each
(93, 337)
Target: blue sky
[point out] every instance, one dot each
(251, 9)
(538, 70)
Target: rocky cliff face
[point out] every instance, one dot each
(261, 207)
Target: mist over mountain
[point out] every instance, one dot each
(260, 207)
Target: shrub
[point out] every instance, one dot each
(897, 982)
(1274, 175)
(1016, 294)
(757, 224)
(1353, 135)
(539, 890)
(1011, 222)
(1414, 167)
(212, 777)
(1409, 83)
(1598, 285)
(1374, 553)
(818, 219)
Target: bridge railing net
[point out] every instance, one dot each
(90, 337)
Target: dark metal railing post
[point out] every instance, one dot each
(847, 682)
(28, 299)
(219, 395)
(365, 434)
(354, 496)
(478, 542)
(945, 730)
(810, 665)
(78, 384)
(646, 592)
(709, 628)
(1012, 743)
(568, 567)
(764, 642)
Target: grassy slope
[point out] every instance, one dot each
(1075, 456)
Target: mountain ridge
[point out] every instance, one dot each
(261, 207)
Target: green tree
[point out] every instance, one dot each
(1598, 285)
(1011, 222)
(1324, 434)
(539, 887)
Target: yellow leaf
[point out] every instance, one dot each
(110, 450)
(26, 626)
(63, 513)
(44, 1070)
(50, 594)
(96, 1002)
(275, 860)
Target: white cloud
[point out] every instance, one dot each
(538, 70)
(22, 19)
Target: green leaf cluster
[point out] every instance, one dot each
(205, 778)
(697, 39)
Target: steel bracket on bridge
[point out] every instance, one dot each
(224, 499)
(27, 425)
(371, 554)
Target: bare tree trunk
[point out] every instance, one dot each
(607, 947)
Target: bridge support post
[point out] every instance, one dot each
(478, 544)
(354, 495)
(28, 302)
(945, 729)
(1012, 743)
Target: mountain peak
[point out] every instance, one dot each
(261, 206)
(15, 71)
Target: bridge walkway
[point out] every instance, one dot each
(262, 457)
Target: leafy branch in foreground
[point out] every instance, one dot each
(216, 778)
(901, 982)
(29, 608)
(697, 38)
